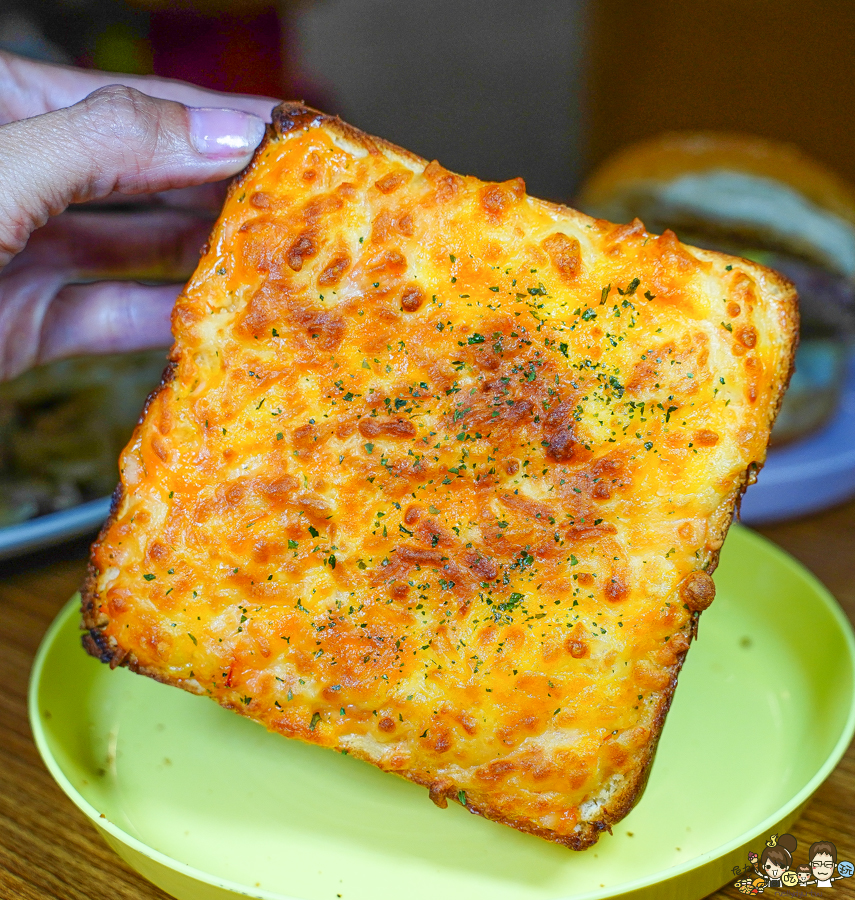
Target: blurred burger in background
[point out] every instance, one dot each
(768, 202)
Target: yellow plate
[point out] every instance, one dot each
(209, 806)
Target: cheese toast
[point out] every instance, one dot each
(438, 475)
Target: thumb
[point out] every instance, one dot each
(116, 139)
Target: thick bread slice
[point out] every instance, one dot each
(438, 475)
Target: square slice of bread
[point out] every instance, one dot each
(438, 475)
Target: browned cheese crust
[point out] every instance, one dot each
(438, 475)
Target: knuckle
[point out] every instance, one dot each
(120, 113)
(124, 131)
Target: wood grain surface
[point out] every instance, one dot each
(49, 851)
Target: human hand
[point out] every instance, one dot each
(70, 136)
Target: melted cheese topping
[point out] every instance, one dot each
(433, 464)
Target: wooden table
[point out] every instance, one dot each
(48, 850)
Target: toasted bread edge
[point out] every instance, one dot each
(613, 804)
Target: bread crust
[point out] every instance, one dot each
(616, 803)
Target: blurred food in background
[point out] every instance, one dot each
(781, 70)
(769, 202)
(62, 427)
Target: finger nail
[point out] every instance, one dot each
(224, 132)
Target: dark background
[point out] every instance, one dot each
(783, 69)
(498, 88)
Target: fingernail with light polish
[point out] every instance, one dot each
(224, 133)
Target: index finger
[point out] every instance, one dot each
(29, 88)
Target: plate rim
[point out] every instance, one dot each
(801, 797)
(782, 470)
(53, 528)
